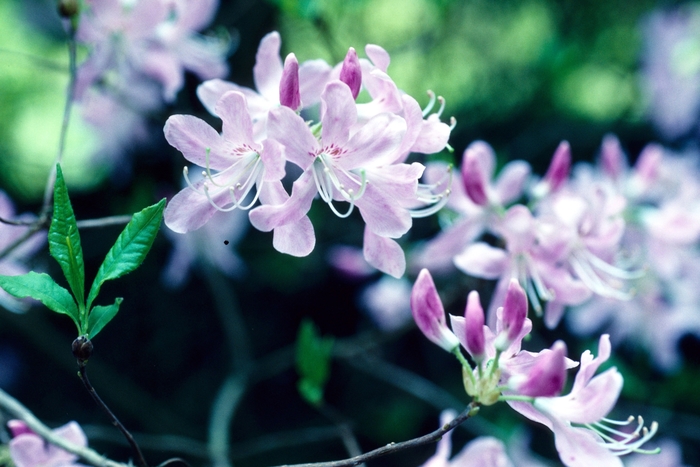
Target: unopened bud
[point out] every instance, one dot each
(558, 171)
(473, 176)
(289, 84)
(351, 72)
(82, 349)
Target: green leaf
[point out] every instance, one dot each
(101, 315)
(64, 239)
(313, 359)
(40, 286)
(131, 247)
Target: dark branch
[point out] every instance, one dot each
(390, 448)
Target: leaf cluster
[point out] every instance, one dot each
(127, 253)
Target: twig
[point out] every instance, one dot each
(115, 421)
(390, 448)
(104, 221)
(17, 410)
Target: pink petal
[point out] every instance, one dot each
(380, 57)
(313, 77)
(192, 137)
(270, 216)
(384, 254)
(290, 130)
(296, 239)
(375, 143)
(511, 181)
(339, 114)
(482, 260)
(189, 210)
(267, 71)
(237, 126)
(382, 213)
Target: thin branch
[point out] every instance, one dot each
(17, 410)
(390, 448)
(104, 221)
(17, 223)
(37, 226)
(115, 421)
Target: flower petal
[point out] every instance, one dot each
(384, 254)
(193, 137)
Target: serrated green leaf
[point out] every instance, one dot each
(101, 315)
(313, 357)
(64, 239)
(131, 247)
(40, 286)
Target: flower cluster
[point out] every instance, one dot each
(138, 51)
(531, 382)
(354, 156)
(27, 449)
(618, 242)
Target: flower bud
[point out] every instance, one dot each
(289, 84)
(351, 72)
(514, 314)
(82, 349)
(473, 178)
(474, 326)
(18, 427)
(547, 376)
(611, 156)
(429, 313)
(558, 170)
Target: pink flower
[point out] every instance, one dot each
(29, 450)
(592, 441)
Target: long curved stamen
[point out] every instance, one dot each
(254, 179)
(213, 204)
(431, 103)
(612, 270)
(327, 181)
(620, 442)
(435, 201)
(584, 270)
(441, 100)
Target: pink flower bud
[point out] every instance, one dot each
(351, 73)
(289, 84)
(547, 376)
(429, 313)
(611, 156)
(558, 171)
(473, 177)
(18, 427)
(474, 326)
(514, 311)
(648, 163)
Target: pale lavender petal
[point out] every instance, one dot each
(511, 181)
(482, 452)
(163, 66)
(384, 254)
(269, 216)
(209, 92)
(382, 213)
(272, 157)
(267, 71)
(580, 447)
(482, 260)
(438, 253)
(433, 136)
(339, 114)
(375, 143)
(193, 137)
(189, 210)
(588, 404)
(290, 130)
(313, 77)
(380, 57)
(589, 365)
(204, 56)
(296, 238)
(196, 15)
(237, 126)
